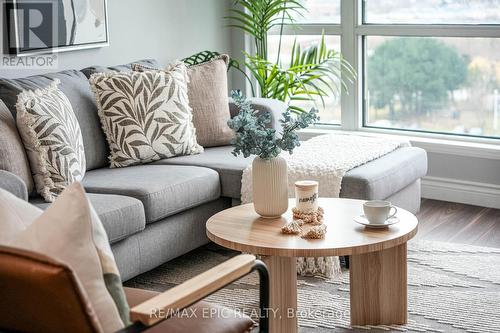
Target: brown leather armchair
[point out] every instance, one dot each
(40, 294)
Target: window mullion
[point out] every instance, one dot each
(350, 106)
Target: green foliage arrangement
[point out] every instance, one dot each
(414, 74)
(254, 137)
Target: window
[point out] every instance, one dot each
(321, 11)
(437, 84)
(426, 66)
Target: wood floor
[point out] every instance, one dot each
(458, 223)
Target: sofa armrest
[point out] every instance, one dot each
(201, 286)
(12, 183)
(273, 106)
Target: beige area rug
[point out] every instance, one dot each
(452, 288)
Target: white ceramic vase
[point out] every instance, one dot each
(270, 186)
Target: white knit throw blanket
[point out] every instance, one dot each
(326, 159)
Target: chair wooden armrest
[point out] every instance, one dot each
(201, 286)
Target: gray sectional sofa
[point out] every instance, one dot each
(156, 212)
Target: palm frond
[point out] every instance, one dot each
(314, 73)
(257, 17)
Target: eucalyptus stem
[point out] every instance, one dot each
(253, 135)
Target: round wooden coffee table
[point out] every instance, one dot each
(377, 258)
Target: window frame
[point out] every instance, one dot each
(353, 31)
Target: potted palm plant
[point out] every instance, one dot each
(313, 72)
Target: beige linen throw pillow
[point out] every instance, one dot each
(146, 116)
(71, 232)
(208, 97)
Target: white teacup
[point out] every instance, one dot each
(378, 211)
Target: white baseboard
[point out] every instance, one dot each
(467, 192)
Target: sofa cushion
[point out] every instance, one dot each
(119, 68)
(386, 175)
(377, 179)
(76, 87)
(121, 216)
(163, 189)
(220, 159)
(12, 154)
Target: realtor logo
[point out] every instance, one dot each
(32, 26)
(35, 27)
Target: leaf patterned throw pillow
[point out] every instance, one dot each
(52, 138)
(146, 116)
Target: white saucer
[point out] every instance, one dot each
(361, 219)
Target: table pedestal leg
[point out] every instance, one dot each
(283, 292)
(378, 286)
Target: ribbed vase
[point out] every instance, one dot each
(270, 186)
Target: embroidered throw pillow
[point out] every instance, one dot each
(146, 116)
(71, 232)
(52, 138)
(207, 90)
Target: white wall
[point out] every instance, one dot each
(160, 29)
(469, 176)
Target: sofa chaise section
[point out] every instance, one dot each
(378, 179)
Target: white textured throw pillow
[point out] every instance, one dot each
(69, 231)
(146, 116)
(52, 138)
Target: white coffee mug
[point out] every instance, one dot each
(378, 211)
